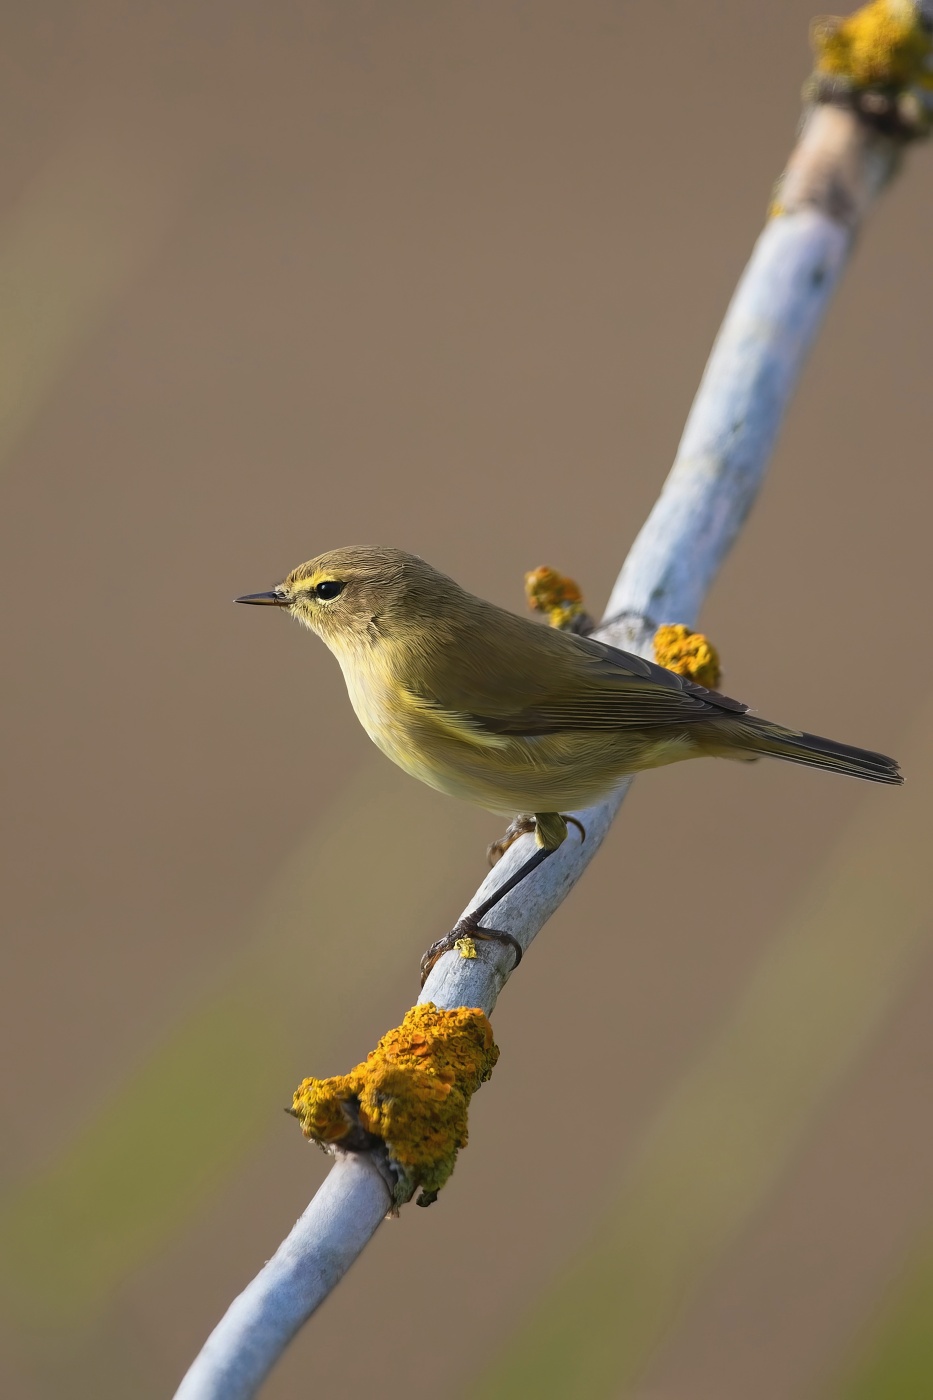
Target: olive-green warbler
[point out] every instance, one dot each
(512, 715)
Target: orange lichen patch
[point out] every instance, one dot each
(881, 45)
(411, 1094)
(322, 1114)
(688, 653)
(558, 597)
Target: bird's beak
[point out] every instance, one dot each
(271, 600)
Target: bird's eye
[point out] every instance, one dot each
(328, 588)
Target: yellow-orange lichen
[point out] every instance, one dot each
(881, 45)
(558, 597)
(411, 1093)
(688, 653)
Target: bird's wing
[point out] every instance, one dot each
(614, 690)
(580, 684)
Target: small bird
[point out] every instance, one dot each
(512, 715)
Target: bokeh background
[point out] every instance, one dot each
(277, 277)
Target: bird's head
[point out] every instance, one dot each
(358, 594)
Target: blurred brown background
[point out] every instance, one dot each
(278, 277)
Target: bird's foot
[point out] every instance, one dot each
(521, 825)
(465, 931)
(551, 829)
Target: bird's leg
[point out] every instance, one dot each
(468, 926)
(550, 831)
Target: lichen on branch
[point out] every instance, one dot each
(687, 653)
(559, 598)
(884, 44)
(878, 62)
(409, 1098)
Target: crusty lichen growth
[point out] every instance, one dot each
(688, 653)
(883, 45)
(411, 1095)
(559, 598)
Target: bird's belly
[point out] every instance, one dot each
(553, 773)
(504, 774)
(400, 731)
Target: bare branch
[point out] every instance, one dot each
(257, 1327)
(842, 159)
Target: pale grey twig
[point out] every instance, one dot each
(257, 1327)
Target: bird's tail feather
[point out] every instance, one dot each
(760, 736)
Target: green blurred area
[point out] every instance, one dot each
(896, 1358)
(187, 1117)
(137, 1173)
